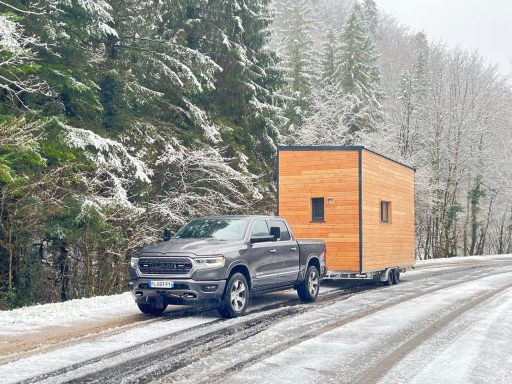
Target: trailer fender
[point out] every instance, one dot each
(385, 274)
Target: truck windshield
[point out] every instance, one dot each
(219, 229)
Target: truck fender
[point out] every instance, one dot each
(303, 267)
(239, 263)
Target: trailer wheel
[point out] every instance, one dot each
(390, 279)
(236, 297)
(308, 289)
(396, 276)
(149, 309)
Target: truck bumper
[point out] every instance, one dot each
(186, 292)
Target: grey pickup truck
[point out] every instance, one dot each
(224, 260)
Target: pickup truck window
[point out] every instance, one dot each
(260, 228)
(285, 233)
(219, 229)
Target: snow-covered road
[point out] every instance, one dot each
(446, 322)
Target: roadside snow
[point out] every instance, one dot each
(461, 259)
(34, 318)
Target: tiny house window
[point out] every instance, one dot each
(317, 207)
(385, 212)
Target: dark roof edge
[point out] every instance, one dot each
(338, 148)
(320, 147)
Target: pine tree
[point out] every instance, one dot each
(371, 16)
(412, 98)
(296, 42)
(235, 35)
(329, 53)
(358, 74)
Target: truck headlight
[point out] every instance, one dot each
(210, 262)
(134, 262)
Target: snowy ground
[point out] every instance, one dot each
(34, 318)
(449, 321)
(461, 259)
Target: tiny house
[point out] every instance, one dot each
(359, 202)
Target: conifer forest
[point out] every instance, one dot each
(121, 117)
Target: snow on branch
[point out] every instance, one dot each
(199, 181)
(108, 153)
(15, 51)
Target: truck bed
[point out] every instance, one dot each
(309, 247)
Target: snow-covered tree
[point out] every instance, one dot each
(412, 98)
(329, 54)
(199, 181)
(371, 16)
(294, 42)
(326, 123)
(18, 74)
(358, 73)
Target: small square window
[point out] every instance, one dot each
(385, 212)
(317, 208)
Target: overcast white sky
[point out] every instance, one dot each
(482, 24)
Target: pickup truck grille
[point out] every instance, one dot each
(165, 266)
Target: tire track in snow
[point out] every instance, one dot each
(318, 329)
(52, 339)
(332, 294)
(162, 363)
(374, 374)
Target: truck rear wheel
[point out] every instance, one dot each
(309, 288)
(149, 309)
(236, 297)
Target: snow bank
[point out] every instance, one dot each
(69, 313)
(460, 259)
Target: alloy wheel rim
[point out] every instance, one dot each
(238, 295)
(313, 283)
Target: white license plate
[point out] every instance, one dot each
(161, 284)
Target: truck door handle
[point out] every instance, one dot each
(273, 250)
(293, 248)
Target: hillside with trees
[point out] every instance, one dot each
(120, 118)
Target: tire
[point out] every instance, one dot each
(309, 288)
(149, 309)
(236, 297)
(396, 276)
(390, 279)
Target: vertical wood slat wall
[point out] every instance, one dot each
(334, 175)
(387, 244)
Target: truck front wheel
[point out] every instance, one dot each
(149, 309)
(236, 297)
(308, 289)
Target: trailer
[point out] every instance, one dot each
(359, 202)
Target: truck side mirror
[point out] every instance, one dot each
(167, 235)
(275, 232)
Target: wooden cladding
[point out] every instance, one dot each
(350, 184)
(389, 243)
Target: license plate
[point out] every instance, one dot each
(161, 284)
